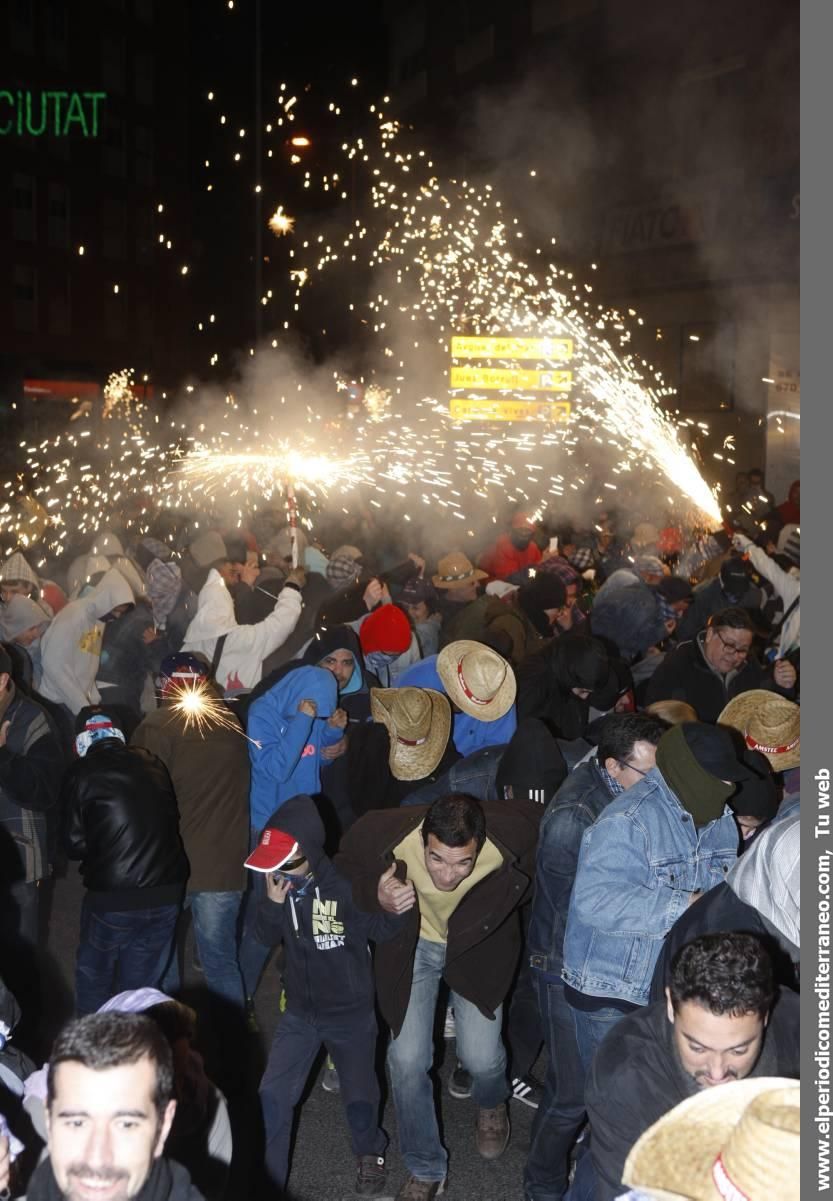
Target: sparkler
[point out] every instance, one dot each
(203, 711)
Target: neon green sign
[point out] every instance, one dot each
(54, 113)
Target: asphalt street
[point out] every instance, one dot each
(323, 1167)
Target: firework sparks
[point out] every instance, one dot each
(280, 222)
(203, 711)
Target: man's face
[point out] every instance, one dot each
(449, 866)
(104, 1131)
(634, 766)
(520, 536)
(341, 664)
(463, 594)
(10, 588)
(727, 649)
(418, 612)
(230, 572)
(715, 1048)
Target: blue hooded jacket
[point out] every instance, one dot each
(469, 734)
(287, 758)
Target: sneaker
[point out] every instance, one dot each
(527, 1090)
(371, 1176)
(450, 1026)
(460, 1083)
(420, 1190)
(330, 1082)
(492, 1132)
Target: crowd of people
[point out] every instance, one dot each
(544, 799)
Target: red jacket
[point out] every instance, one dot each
(504, 558)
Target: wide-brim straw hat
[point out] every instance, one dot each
(730, 1141)
(418, 721)
(768, 723)
(477, 679)
(456, 571)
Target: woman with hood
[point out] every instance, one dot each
(18, 579)
(23, 622)
(556, 683)
(71, 647)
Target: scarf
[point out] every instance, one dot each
(168, 1181)
(613, 786)
(699, 792)
(163, 583)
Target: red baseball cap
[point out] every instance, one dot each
(273, 851)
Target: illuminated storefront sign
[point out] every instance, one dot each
(466, 408)
(53, 114)
(554, 349)
(516, 378)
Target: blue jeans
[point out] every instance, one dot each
(411, 1058)
(351, 1042)
(215, 917)
(591, 1025)
(476, 776)
(120, 950)
(561, 1112)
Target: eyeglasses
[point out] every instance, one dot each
(730, 648)
(638, 770)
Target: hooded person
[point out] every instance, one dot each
(163, 579)
(388, 643)
(17, 578)
(339, 651)
(328, 982)
(105, 546)
(71, 647)
(406, 748)
(527, 618)
(754, 801)
(23, 622)
(556, 684)
(288, 727)
(513, 550)
(627, 613)
(733, 585)
(481, 687)
(237, 652)
(761, 894)
(419, 598)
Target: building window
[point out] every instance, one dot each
(114, 152)
(58, 226)
(707, 367)
(113, 222)
(144, 156)
(25, 298)
(113, 56)
(23, 26)
(24, 218)
(60, 312)
(56, 30)
(143, 78)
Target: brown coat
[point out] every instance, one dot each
(210, 776)
(484, 935)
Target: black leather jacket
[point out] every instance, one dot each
(121, 821)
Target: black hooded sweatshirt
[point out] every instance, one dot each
(546, 679)
(328, 971)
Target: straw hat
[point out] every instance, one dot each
(419, 722)
(477, 679)
(455, 571)
(769, 723)
(738, 1140)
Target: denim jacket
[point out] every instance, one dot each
(573, 809)
(637, 868)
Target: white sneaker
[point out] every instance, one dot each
(450, 1027)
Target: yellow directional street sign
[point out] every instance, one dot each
(463, 408)
(552, 349)
(515, 378)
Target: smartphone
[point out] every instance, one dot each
(554, 546)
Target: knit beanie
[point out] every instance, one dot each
(703, 795)
(386, 629)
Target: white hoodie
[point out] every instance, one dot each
(71, 647)
(241, 663)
